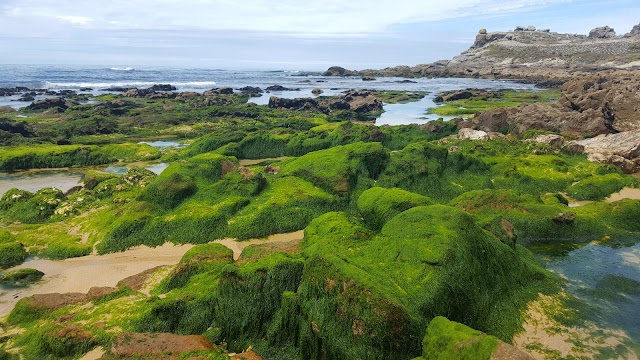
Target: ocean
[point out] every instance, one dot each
(99, 78)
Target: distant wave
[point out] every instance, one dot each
(138, 84)
(122, 69)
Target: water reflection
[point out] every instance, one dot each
(35, 180)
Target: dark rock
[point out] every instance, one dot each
(86, 89)
(317, 91)
(117, 89)
(368, 79)
(251, 90)
(604, 32)
(162, 95)
(163, 87)
(293, 104)
(67, 93)
(280, 88)
(564, 218)
(634, 32)
(336, 71)
(136, 93)
(48, 104)
(219, 91)
(26, 98)
(406, 81)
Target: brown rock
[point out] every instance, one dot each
(97, 293)
(137, 282)
(132, 344)
(248, 354)
(54, 301)
(564, 218)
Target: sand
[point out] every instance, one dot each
(238, 246)
(82, 273)
(249, 162)
(626, 193)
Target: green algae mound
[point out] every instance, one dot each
(371, 295)
(450, 340)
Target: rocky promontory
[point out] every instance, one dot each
(528, 53)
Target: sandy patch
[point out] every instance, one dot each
(249, 162)
(80, 274)
(625, 193)
(94, 354)
(546, 338)
(237, 246)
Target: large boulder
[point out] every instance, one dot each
(621, 149)
(604, 32)
(635, 31)
(363, 101)
(336, 71)
(48, 104)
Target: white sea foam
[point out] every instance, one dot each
(122, 69)
(138, 84)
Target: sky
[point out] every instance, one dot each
(278, 34)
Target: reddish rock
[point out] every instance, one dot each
(132, 344)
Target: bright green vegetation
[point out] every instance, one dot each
(58, 156)
(22, 277)
(500, 99)
(450, 340)
(402, 228)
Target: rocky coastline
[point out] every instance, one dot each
(527, 53)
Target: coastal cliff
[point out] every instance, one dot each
(528, 53)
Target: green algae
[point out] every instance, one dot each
(450, 340)
(500, 99)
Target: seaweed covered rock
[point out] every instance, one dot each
(366, 295)
(21, 277)
(341, 168)
(448, 340)
(379, 205)
(26, 207)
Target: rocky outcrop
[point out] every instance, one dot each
(337, 71)
(635, 31)
(526, 53)
(588, 106)
(554, 141)
(604, 32)
(163, 87)
(219, 91)
(356, 100)
(621, 150)
(317, 91)
(281, 88)
(48, 104)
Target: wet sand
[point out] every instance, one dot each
(249, 162)
(545, 338)
(238, 246)
(81, 274)
(626, 193)
(35, 180)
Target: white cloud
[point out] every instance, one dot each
(288, 16)
(74, 20)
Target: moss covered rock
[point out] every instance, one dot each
(426, 261)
